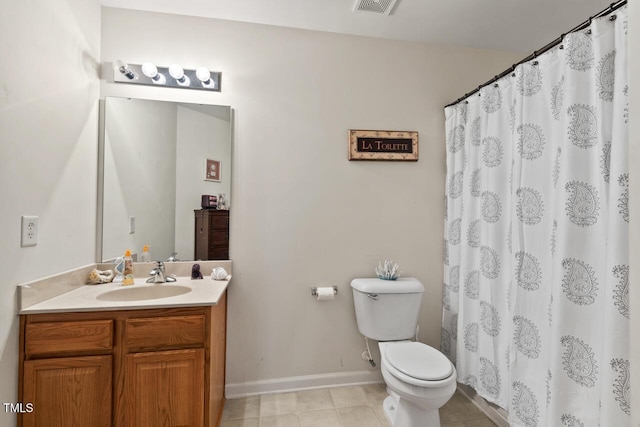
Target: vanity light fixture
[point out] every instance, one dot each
(173, 76)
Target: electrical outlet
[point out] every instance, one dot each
(29, 231)
(132, 225)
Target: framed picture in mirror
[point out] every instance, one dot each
(211, 170)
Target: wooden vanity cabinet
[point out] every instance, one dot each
(211, 234)
(135, 368)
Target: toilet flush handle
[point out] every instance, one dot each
(373, 296)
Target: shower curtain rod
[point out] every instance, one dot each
(536, 53)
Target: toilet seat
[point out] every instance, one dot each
(417, 363)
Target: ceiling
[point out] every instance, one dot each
(511, 25)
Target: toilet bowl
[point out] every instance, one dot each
(419, 379)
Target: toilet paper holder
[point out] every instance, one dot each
(314, 291)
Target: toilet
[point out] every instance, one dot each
(419, 378)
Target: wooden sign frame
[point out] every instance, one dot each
(383, 145)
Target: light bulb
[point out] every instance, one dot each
(151, 71)
(122, 67)
(204, 75)
(177, 73)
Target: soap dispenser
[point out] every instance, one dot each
(128, 269)
(145, 256)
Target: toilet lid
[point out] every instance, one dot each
(419, 361)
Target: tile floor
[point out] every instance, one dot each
(354, 406)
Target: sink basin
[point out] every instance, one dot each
(144, 293)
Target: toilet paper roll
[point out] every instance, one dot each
(325, 293)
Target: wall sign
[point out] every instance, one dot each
(383, 145)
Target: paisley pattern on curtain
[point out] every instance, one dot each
(536, 292)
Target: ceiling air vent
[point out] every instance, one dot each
(376, 6)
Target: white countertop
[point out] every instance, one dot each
(63, 293)
(86, 298)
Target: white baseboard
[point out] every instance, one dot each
(306, 382)
(495, 413)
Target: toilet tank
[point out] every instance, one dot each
(387, 310)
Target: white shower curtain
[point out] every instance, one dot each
(536, 295)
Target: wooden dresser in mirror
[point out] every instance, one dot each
(211, 234)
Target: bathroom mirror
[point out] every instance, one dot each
(155, 163)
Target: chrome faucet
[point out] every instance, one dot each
(173, 257)
(158, 275)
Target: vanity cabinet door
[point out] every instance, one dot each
(165, 388)
(68, 392)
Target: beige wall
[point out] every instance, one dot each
(303, 215)
(50, 50)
